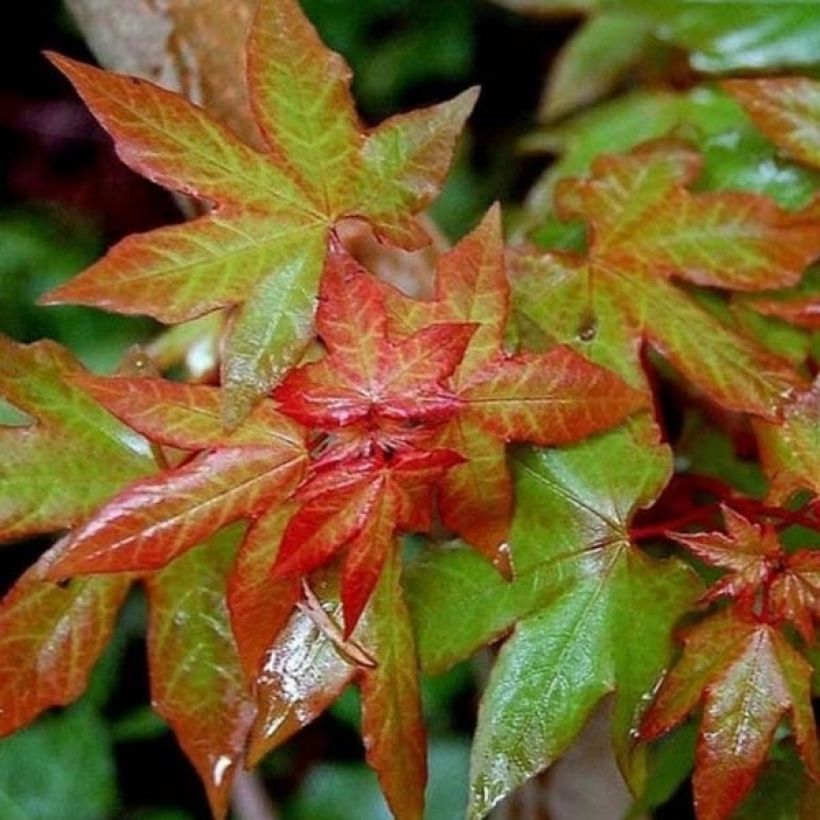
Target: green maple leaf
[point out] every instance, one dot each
(74, 453)
(261, 249)
(580, 586)
(197, 682)
(66, 458)
(651, 237)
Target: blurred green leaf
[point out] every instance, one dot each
(737, 34)
(38, 251)
(61, 766)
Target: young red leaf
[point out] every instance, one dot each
(157, 519)
(392, 723)
(786, 110)
(262, 247)
(749, 551)
(197, 683)
(748, 677)
(50, 637)
(366, 374)
(648, 228)
(357, 506)
(71, 457)
(757, 563)
(550, 398)
(790, 452)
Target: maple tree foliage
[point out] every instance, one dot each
(261, 247)
(741, 664)
(517, 422)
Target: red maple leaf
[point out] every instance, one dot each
(764, 579)
(548, 398)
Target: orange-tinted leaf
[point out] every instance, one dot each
(748, 677)
(72, 456)
(263, 245)
(302, 674)
(259, 606)
(647, 228)
(197, 683)
(50, 637)
(644, 217)
(790, 452)
(787, 111)
(186, 415)
(549, 398)
(156, 519)
(392, 724)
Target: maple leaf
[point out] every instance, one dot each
(551, 398)
(647, 228)
(57, 469)
(786, 110)
(578, 583)
(50, 637)
(197, 683)
(231, 476)
(757, 563)
(53, 473)
(358, 505)
(748, 676)
(790, 452)
(367, 376)
(262, 247)
(749, 551)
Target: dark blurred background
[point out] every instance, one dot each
(64, 198)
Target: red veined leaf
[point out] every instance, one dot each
(392, 723)
(197, 683)
(786, 110)
(647, 229)
(550, 398)
(366, 374)
(185, 415)
(788, 584)
(262, 248)
(748, 677)
(50, 637)
(157, 519)
(358, 506)
(71, 457)
(790, 452)
(749, 551)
